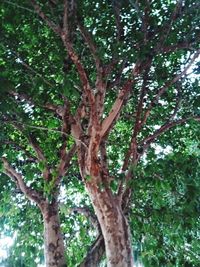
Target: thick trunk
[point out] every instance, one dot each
(54, 245)
(114, 227)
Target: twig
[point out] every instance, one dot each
(18, 6)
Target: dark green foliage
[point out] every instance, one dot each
(37, 75)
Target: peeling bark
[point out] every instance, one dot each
(114, 227)
(54, 245)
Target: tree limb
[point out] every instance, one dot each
(18, 179)
(145, 143)
(163, 89)
(40, 155)
(89, 41)
(74, 57)
(116, 108)
(88, 214)
(50, 23)
(95, 253)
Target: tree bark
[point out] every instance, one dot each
(54, 245)
(114, 226)
(95, 253)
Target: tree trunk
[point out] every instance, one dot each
(114, 226)
(54, 245)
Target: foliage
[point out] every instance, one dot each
(39, 81)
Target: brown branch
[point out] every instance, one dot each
(173, 48)
(89, 41)
(65, 159)
(108, 122)
(177, 104)
(118, 76)
(139, 108)
(163, 89)
(116, 108)
(132, 150)
(168, 26)
(19, 147)
(74, 57)
(145, 21)
(50, 23)
(40, 155)
(25, 64)
(21, 97)
(131, 153)
(116, 9)
(18, 179)
(88, 214)
(95, 253)
(145, 143)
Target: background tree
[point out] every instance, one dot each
(122, 79)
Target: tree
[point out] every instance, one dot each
(104, 79)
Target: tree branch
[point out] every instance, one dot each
(89, 41)
(40, 155)
(65, 159)
(19, 147)
(88, 214)
(74, 57)
(167, 26)
(145, 143)
(50, 23)
(163, 89)
(117, 8)
(116, 108)
(95, 253)
(18, 179)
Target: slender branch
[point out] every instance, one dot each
(163, 89)
(88, 214)
(116, 9)
(108, 122)
(36, 147)
(18, 6)
(74, 57)
(180, 45)
(21, 97)
(145, 21)
(145, 143)
(19, 147)
(168, 26)
(50, 23)
(50, 130)
(40, 155)
(25, 64)
(65, 161)
(177, 104)
(95, 253)
(18, 179)
(118, 76)
(139, 108)
(134, 3)
(89, 41)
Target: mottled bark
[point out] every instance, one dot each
(54, 245)
(114, 227)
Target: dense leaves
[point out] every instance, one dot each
(153, 44)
